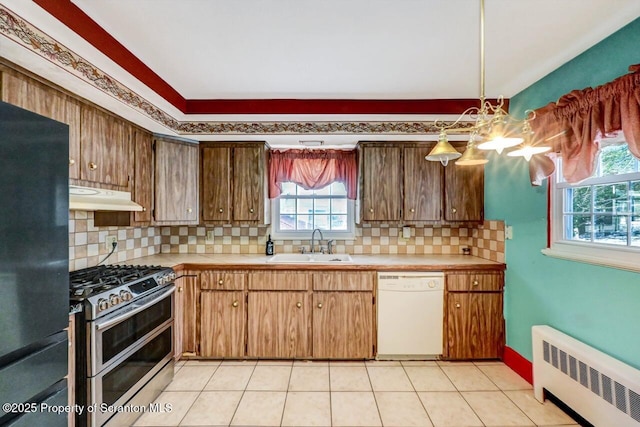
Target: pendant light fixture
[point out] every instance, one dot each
(493, 127)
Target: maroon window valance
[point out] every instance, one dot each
(313, 169)
(575, 123)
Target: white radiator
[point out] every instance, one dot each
(603, 390)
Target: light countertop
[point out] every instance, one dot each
(384, 262)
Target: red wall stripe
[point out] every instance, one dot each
(79, 22)
(74, 18)
(518, 363)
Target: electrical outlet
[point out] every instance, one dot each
(210, 238)
(109, 241)
(508, 232)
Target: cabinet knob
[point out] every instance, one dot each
(144, 209)
(220, 210)
(235, 304)
(454, 210)
(319, 305)
(93, 166)
(299, 304)
(412, 210)
(371, 210)
(475, 283)
(251, 210)
(180, 289)
(457, 305)
(189, 210)
(220, 282)
(72, 161)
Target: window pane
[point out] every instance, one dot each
(635, 197)
(289, 188)
(325, 191)
(613, 198)
(616, 160)
(339, 222)
(322, 222)
(610, 229)
(305, 222)
(305, 206)
(577, 227)
(287, 222)
(303, 192)
(322, 206)
(338, 189)
(578, 199)
(635, 230)
(339, 206)
(287, 206)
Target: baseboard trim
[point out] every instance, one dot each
(518, 363)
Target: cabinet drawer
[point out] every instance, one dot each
(280, 281)
(343, 281)
(485, 281)
(222, 280)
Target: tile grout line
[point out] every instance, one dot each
(243, 392)
(286, 396)
(374, 394)
(199, 393)
(416, 392)
(330, 394)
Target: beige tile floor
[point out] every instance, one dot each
(399, 394)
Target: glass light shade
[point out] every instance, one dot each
(443, 151)
(528, 151)
(472, 157)
(500, 138)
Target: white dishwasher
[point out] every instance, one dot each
(410, 315)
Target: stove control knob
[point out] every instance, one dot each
(161, 280)
(125, 295)
(103, 304)
(172, 276)
(114, 299)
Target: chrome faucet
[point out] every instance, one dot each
(313, 239)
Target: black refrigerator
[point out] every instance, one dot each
(34, 268)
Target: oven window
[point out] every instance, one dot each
(124, 334)
(131, 370)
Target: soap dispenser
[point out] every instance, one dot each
(269, 246)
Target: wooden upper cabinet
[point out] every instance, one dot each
(143, 175)
(216, 183)
(463, 193)
(382, 192)
(422, 185)
(34, 96)
(105, 145)
(248, 183)
(176, 182)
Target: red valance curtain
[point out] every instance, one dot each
(313, 169)
(580, 118)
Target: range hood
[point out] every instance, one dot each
(97, 199)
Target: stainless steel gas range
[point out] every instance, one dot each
(124, 340)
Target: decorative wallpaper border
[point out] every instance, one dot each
(29, 36)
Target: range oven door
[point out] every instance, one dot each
(112, 337)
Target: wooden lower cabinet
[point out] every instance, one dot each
(222, 324)
(278, 325)
(343, 325)
(474, 319)
(186, 314)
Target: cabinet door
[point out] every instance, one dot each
(248, 183)
(143, 175)
(38, 98)
(278, 324)
(222, 324)
(105, 142)
(342, 325)
(475, 325)
(382, 180)
(186, 319)
(422, 185)
(176, 182)
(216, 184)
(464, 193)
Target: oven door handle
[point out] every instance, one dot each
(107, 323)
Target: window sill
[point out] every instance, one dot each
(305, 236)
(625, 259)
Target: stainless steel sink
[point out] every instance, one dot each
(310, 258)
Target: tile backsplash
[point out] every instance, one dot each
(87, 242)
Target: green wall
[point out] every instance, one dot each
(597, 305)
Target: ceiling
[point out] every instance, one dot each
(253, 50)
